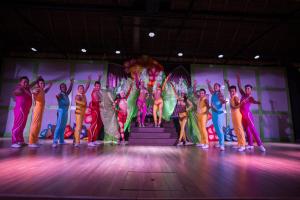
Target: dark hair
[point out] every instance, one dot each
(62, 85)
(217, 84)
(232, 87)
(248, 85)
(203, 90)
(24, 77)
(97, 82)
(80, 86)
(40, 79)
(118, 96)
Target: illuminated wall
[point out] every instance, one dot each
(57, 70)
(273, 117)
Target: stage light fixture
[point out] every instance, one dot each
(151, 34)
(221, 56)
(83, 50)
(33, 49)
(256, 57)
(180, 54)
(118, 52)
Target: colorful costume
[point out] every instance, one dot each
(141, 102)
(237, 121)
(79, 114)
(248, 121)
(62, 117)
(217, 116)
(21, 111)
(202, 112)
(96, 122)
(38, 111)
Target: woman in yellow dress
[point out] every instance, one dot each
(80, 100)
(236, 116)
(39, 99)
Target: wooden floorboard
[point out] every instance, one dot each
(138, 172)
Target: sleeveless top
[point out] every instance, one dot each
(217, 104)
(81, 105)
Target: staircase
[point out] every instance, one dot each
(152, 136)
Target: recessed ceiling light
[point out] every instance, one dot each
(83, 50)
(118, 51)
(180, 54)
(221, 56)
(151, 34)
(33, 49)
(256, 57)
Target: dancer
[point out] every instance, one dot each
(39, 99)
(23, 100)
(120, 105)
(183, 107)
(158, 101)
(80, 100)
(202, 115)
(247, 117)
(62, 112)
(96, 122)
(217, 99)
(236, 116)
(141, 101)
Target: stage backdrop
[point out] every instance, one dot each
(273, 117)
(56, 70)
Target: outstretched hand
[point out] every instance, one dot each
(72, 79)
(208, 81)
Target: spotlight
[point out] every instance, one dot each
(180, 54)
(221, 56)
(256, 57)
(83, 50)
(151, 34)
(33, 49)
(118, 51)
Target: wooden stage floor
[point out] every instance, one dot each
(131, 172)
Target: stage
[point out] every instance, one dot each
(111, 171)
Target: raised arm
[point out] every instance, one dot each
(165, 82)
(48, 87)
(209, 87)
(252, 100)
(227, 84)
(137, 80)
(71, 86)
(129, 90)
(173, 87)
(238, 78)
(190, 105)
(87, 84)
(195, 89)
(99, 78)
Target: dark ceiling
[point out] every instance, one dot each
(202, 29)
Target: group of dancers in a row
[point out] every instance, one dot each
(242, 117)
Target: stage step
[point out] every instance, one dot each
(152, 141)
(150, 135)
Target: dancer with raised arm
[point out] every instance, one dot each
(202, 115)
(80, 100)
(247, 117)
(158, 101)
(62, 112)
(23, 100)
(141, 101)
(182, 108)
(39, 99)
(217, 101)
(120, 105)
(96, 122)
(236, 116)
